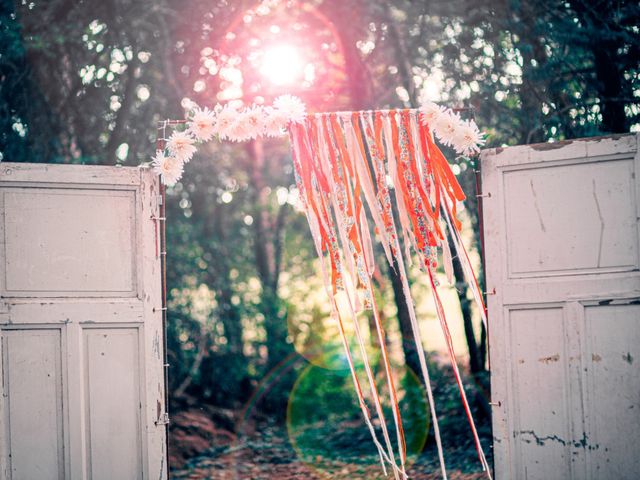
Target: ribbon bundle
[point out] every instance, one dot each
(345, 164)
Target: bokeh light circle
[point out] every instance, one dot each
(325, 424)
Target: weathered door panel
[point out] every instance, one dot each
(612, 416)
(80, 324)
(93, 255)
(562, 256)
(34, 402)
(112, 398)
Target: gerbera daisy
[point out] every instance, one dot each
(169, 168)
(274, 122)
(255, 118)
(291, 107)
(180, 145)
(467, 139)
(241, 128)
(445, 126)
(227, 116)
(203, 124)
(430, 112)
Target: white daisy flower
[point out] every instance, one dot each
(291, 107)
(274, 122)
(241, 128)
(255, 118)
(169, 168)
(445, 126)
(430, 112)
(203, 124)
(467, 139)
(227, 116)
(180, 145)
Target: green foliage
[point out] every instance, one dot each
(87, 82)
(323, 404)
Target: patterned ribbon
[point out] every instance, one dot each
(344, 162)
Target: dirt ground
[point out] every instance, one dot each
(203, 445)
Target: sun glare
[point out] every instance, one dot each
(282, 65)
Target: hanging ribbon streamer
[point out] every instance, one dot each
(344, 163)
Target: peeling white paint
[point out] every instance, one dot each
(80, 348)
(563, 258)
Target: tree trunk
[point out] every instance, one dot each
(404, 320)
(483, 344)
(614, 119)
(531, 48)
(217, 278)
(122, 118)
(605, 49)
(476, 363)
(203, 336)
(267, 251)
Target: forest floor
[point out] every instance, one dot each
(269, 455)
(212, 443)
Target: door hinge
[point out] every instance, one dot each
(163, 420)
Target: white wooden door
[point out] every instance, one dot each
(562, 259)
(80, 324)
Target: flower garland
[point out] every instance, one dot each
(227, 122)
(344, 162)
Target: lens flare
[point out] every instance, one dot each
(326, 429)
(282, 65)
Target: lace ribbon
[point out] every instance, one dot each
(343, 163)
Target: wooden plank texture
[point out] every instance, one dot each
(80, 324)
(33, 417)
(563, 266)
(68, 242)
(112, 399)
